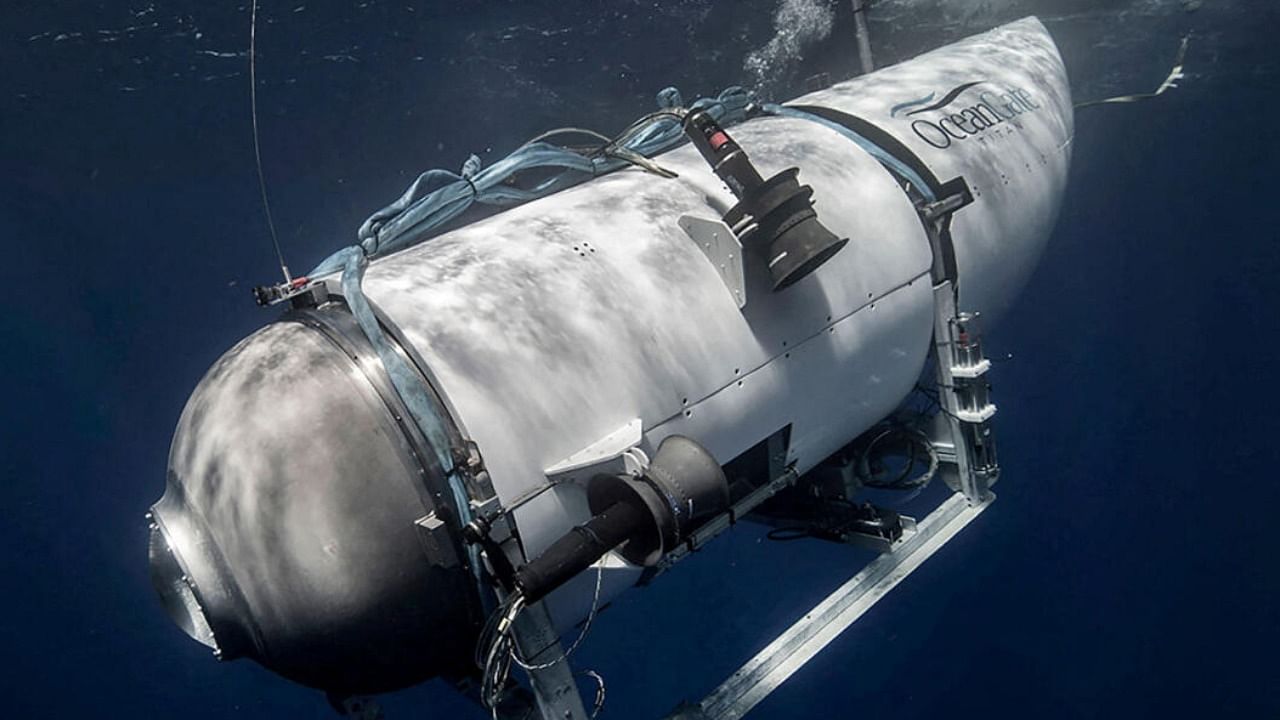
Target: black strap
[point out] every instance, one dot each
(944, 251)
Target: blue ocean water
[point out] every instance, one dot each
(1127, 569)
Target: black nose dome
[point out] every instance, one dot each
(301, 525)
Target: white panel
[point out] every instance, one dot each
(557, 322)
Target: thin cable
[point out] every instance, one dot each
(586, 627)
(645, 124)
(497, 665)
(498, 647)
(486, 636)
(599, 702)
(257, 148)
(642, 162)
(567, 131)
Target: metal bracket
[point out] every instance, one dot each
(972, 483)
(954, 195)
(554, 688)
(723, 249)
(936, 210)
(614, 454)
(434, 535)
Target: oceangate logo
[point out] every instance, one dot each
(994, 107)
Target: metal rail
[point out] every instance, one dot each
(944, 299)
(726, 520)
(796, 646)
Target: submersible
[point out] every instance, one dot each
(593, 359)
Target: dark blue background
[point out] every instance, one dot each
(1127, 569)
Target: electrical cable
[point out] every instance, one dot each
(642, 162)
(598, 705)
(586, 627)
(496, 647)
(439, 196)
(542, 137)
(497, 664)
(915, 442)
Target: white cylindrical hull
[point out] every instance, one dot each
(553, 324)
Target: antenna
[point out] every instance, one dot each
(257, 148)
